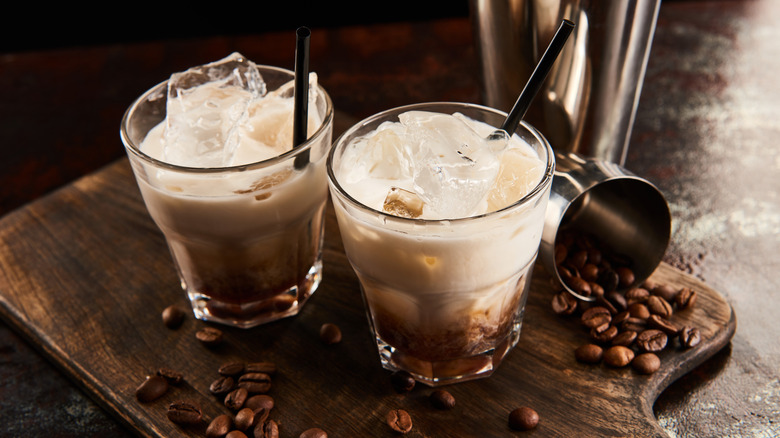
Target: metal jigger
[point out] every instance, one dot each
(624, 212)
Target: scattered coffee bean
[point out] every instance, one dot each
(314, 432)
(151, 389)
(399, 420)
(209, 336)
(236, 434)
(638, 310)
(689, 337)
(659, 306)
(624, 338)
(260, 416)
(255, 383)
(666, 292)
(564, 303)
(652, 340)
(618, 356)
(219, 426)
(596, 316)
(172, 317)
(267, 429)
(663, 324)
(646, 363)
(173, 377)
(222, 386)
(636, 295)
(442, 399)
(261, 367)
(402, 381)
(184, 413)
(523, 418)
(604, 333)
(685, 298)
(330, 333)
(259, 401)
(231, 369)
(589, 353)
(245, 419)
(236, 398)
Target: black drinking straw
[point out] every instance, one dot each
(301, 94)
(537, 77)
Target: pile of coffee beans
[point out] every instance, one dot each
(631, 327)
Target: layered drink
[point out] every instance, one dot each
(441, 216)
(240, 208)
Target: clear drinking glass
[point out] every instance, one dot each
(246, 240)
(444, 298)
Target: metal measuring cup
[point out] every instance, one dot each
(621, 210)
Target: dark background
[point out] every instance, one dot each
(36, 27)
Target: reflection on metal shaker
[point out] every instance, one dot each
(589, 99)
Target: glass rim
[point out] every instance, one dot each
(131, 146)
(545, 181)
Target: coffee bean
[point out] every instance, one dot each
(666, 292)
(659, 306)
(209, 336)
(689, 337)
(314, 432)
(618, 356)
(596, 290)
(219, 426)
(399, 420)
(609, 280)
(663, 324)
(620, 318)
(589, 353)
(638, 310)
(563, 303)
(579, 286)
(235, 434)
(173, 377)
(184, 413)
(330, 333)
(402, 381)
(236, 398)
(685, 298)
(633, 324)
(442, 399)
(561, 252)
(260, 415)
(652, 340)
(231, 369)
(173, 317)
(259, 401)
(596, 316)
(222, 386)
(261, 367)
(267, 429)
(618, 300)
(578, 259)
(255, 383)
(604, 333)
(626, 276)
(646, 363)
(590, 273)
(636, 295)
(523, 418)
(625, 338)
(245, 419)
(151, 389)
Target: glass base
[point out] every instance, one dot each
(445, 372)
(254, 313)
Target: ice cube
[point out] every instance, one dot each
(403, 203)
(455, 165)
(520, 173)
(205, 107)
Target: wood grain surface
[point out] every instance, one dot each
(85, 274)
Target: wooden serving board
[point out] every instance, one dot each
(85, 274)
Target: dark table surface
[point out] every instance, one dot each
(706, 134)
